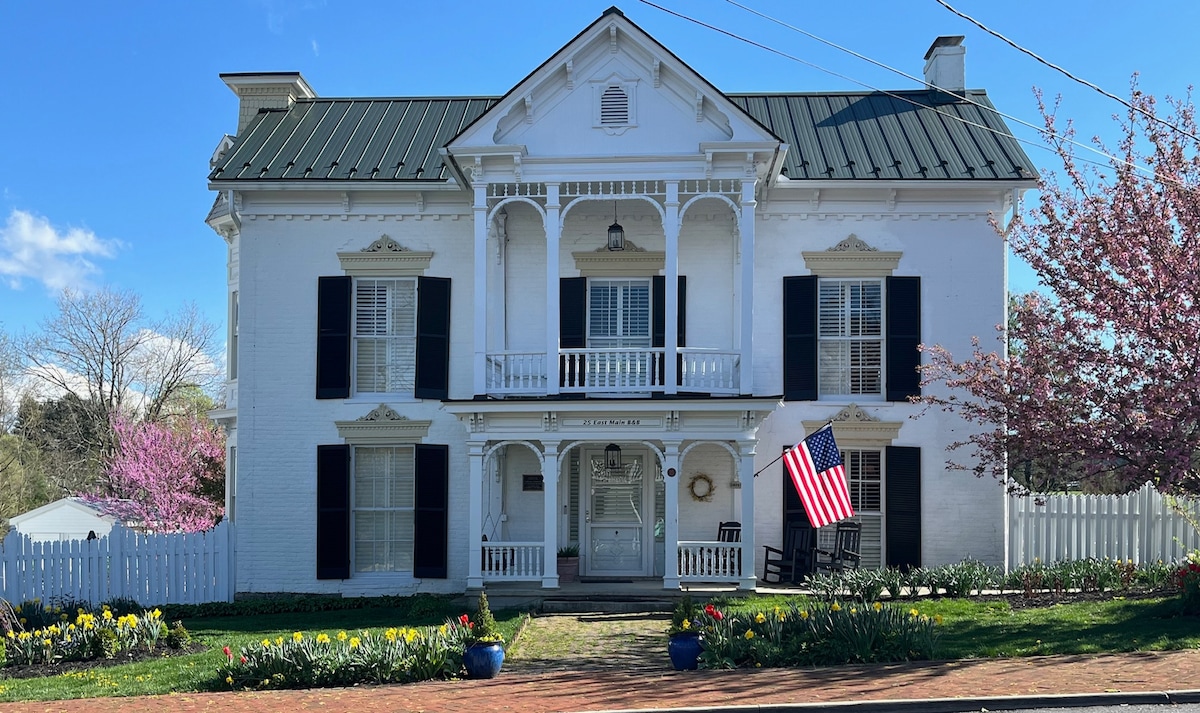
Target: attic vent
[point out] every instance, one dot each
(614, 106)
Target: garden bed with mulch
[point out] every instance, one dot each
(131, 656)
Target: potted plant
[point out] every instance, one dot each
(684, 642)
(568, 564)
(484, 645)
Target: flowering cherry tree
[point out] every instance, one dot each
(168, 476)
(1099, 377)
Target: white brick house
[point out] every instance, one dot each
(439, 341)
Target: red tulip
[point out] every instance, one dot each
(228, 654)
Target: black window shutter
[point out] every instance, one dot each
(800, 338)
(431, 519)
(681, 326)
(903, 507)
(572, 322)
(658, 316)
(333, 512)
(903, 336)
(432, 377)
(572, 312)
(333, 337)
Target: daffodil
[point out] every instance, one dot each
(341, 636)
(749, 633)
(835, 607)
(297, 637)
(760, 618)
(354, 642)
(877, 606)
(322, 638)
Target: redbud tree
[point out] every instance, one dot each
(168, 476)
(1096, 374)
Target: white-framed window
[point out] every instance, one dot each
(383, 510)
(385, 334)
(864, 477)
(619, 313)
(850, 336)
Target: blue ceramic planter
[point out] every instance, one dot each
(483, 660)
(684, 650)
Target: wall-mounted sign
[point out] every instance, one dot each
(641, 422)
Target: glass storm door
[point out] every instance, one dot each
(614, 516)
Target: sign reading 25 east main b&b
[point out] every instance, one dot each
(640, 422)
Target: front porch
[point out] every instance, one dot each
(637, 487)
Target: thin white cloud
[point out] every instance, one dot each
(316, 49)
(33, 249)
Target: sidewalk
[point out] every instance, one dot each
(969, 684)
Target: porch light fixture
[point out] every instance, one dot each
(612, 459)
(616, 239)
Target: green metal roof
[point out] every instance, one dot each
(349, 140)
(906, 135)
(918, 134)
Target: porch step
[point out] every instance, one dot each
(605, 605)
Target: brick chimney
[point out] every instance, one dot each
(944, 64)
(265, 90)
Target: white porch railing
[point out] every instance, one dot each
(517, 373)
(703, 561)
(710, 371)
(513, 561)
(613, 371)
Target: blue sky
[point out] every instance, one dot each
(111, 110)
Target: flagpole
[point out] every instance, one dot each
(828, 424)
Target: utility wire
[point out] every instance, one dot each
(1050, 135)
(1057, 68)
(1041, 130)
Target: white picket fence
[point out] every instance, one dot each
(175, 568)
(1139, 526)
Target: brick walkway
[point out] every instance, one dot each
(595, 690)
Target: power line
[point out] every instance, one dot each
(1041, 130)
(1057, 68)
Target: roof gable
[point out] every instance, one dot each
(659, 106)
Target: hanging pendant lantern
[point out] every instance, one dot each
(616, 234)
(612, 459)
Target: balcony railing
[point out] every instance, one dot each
(613, 371)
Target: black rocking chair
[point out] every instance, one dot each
(845, 554)
(794, 561)
(729, 532)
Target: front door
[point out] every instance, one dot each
(617, 535)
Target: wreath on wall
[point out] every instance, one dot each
(701, 487)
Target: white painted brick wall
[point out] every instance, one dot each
(280, 423)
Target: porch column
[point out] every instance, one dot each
(479, 364)
(671, 536)
(671, 308)
(746, 228)
(746, 475)
(475, 515)
(550, 472)
(553, 235)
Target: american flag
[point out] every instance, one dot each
(815, 465)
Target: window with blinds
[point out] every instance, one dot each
(618, 314)
(864, 478)
(383, 508)
(385, 335)
(850, 334)
(614, 106)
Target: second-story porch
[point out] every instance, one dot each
(581, 288)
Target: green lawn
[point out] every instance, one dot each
(197, 672)
(970, 628)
